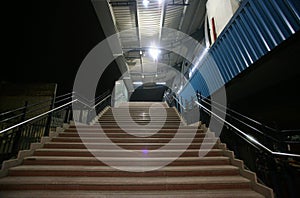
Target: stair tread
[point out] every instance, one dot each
(123, 144)
(65, 158)
(135, 138)
(232, 193)
(108, 168)
(117, 150)
(97, 128)
(60, 170)
(62, 180)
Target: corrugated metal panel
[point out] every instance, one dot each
(173, 16)
(256, 28)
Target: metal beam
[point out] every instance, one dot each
(162, 19)
(179, 4)
(122, 3)
(138, 32)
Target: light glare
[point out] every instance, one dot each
(154, 52)
(146, 3)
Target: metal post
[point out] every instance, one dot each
(49, 118)
(67, 115)
(16, 141)
(199, 98)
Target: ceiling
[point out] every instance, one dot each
(141, 26)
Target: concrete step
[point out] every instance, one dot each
(141, 121)
(95, 128)
(65, 167)
(132, 134)
(139, 116)
(121, 153)
(130, 140)
(106, 171)
(124, 183)
(92, 161)
(142, 104)
(224, 193)
(140, 146)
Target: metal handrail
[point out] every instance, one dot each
(11, 111)
(179, 102)
(244, 123)
(249, 138)
(32, 105)
(52, 110)
(239, 114)
(61, 97)
(101, 101)
(92, 100)
(36, 117)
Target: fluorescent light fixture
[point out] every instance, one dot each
(126, 78)
(161, 83)
(146, 3)
(137, 83)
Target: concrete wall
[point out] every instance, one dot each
(120, 93)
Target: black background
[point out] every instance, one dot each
(46, 41)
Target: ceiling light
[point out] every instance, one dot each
(137, 83)
(154, 52)
(146, 3)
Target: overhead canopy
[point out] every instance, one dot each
(142, 24)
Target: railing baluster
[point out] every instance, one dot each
(19, 136)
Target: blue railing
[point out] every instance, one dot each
(257, 27)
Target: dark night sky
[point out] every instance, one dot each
(46, 41)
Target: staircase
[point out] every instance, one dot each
(80, 161)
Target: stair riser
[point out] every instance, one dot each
(90, 140)
(112, 131)
(125, 174)
(157, 127)
(94, 127)
(139, 117)
(109, 154)
(126, 135)
(142, 164)
(213, 186)
(129, 147)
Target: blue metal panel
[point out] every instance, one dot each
(232, 61)
(227, 62)
(243, 40)
(270, 18)
(294, 7)
(237, 56)
(256, 28)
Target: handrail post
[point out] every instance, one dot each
(67, 115)
(49, 118)
(16, 145)
(199, 98)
